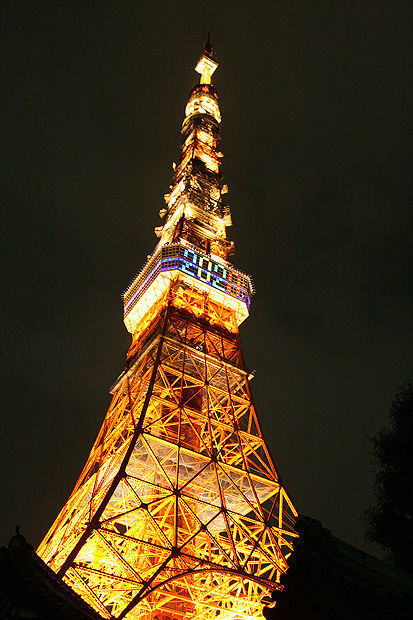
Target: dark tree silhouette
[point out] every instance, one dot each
(390, 523)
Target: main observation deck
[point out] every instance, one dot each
(188, 265)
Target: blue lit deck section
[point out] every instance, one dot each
(192, 268)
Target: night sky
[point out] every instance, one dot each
(315, 133)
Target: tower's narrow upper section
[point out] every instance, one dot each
(193, 249)
(195, 208)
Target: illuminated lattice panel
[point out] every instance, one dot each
(224, 285)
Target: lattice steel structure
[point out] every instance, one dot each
(179, 511)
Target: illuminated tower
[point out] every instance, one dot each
(179, 511)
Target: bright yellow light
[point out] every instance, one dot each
(203, 104)
(206, 67)
(189, 213)
(206, 137)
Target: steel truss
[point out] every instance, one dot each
(179, 511)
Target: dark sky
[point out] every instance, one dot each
(315, 132)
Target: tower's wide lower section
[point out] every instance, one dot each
(179, 511)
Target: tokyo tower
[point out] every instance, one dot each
(179, 511)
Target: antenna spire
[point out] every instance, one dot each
(208, 49)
